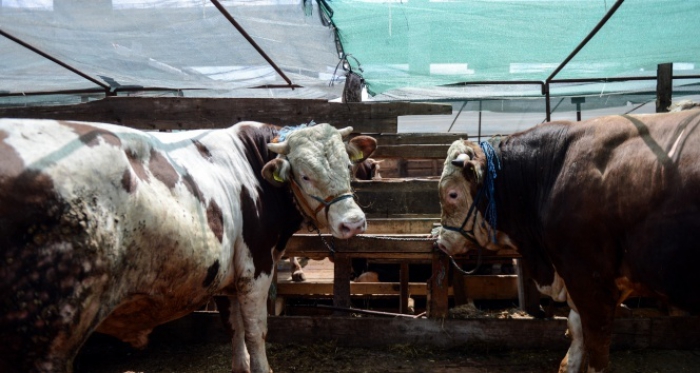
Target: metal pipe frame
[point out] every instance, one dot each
(573, 54)
(252, 42)
(106, 88)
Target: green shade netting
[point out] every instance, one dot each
(419, 43)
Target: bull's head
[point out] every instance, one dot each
(316, 163)
(462, 177)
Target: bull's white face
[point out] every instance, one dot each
(456, 188)
(319, 163)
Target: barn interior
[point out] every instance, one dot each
(431, 72)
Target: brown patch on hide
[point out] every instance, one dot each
(129, 183)
(203, 150)
(259, 242)
(10, 162)
(162, 169)
(193, 188)
(212, 271)
(215, 218)
(137, 165)
(90, 135)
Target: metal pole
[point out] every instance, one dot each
(480, 101)
(107, 88)
(578, 48)
(587, 39)
(252, 42)
(457, 116)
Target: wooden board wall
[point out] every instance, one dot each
(158, 113)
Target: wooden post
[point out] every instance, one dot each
(403, 298)
(341, 282)
(664, 87)
(459, 289)
(528, 295)
(438, 286)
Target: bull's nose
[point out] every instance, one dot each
(350, 228)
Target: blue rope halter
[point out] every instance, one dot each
(490, 186)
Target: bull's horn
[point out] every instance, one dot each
(279, 147)
(345, 131)
(459, 161)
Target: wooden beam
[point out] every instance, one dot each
(390, 139)
(479, 287)
(399, 246)
(381, 332)
(411, 151)
(157, 113)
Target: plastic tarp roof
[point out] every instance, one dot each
(171, 44)
(407, 46)
(408, 49)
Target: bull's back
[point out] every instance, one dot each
(93, 216)
(629, 187)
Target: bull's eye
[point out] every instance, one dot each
(305, 178)
(453, 195)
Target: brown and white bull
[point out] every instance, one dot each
(109, 229)
(596, 209)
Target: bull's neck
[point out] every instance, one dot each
(279, 199)
(485, 198)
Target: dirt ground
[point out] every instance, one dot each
(110, 357)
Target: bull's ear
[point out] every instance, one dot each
(276, 172)
(361, 147)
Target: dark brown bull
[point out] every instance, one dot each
(596, 209)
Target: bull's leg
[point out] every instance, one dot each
(252, 298)
(597, 331)
(297, 272)
(574, 357)
(230, 312)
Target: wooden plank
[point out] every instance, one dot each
(514, 334)
(361, 245)
(401, 225)
(511, 334)
(376, 246)
(155, 113)
(388, 197)
(495, 287)
(421, 225)
(411, 151)
(289, 288)
(390, 139)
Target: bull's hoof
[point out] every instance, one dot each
(298, 276)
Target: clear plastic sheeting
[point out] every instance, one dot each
(185, 46)
(412, 50)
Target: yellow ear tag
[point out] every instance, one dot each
(277, 177)
(356, 158)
